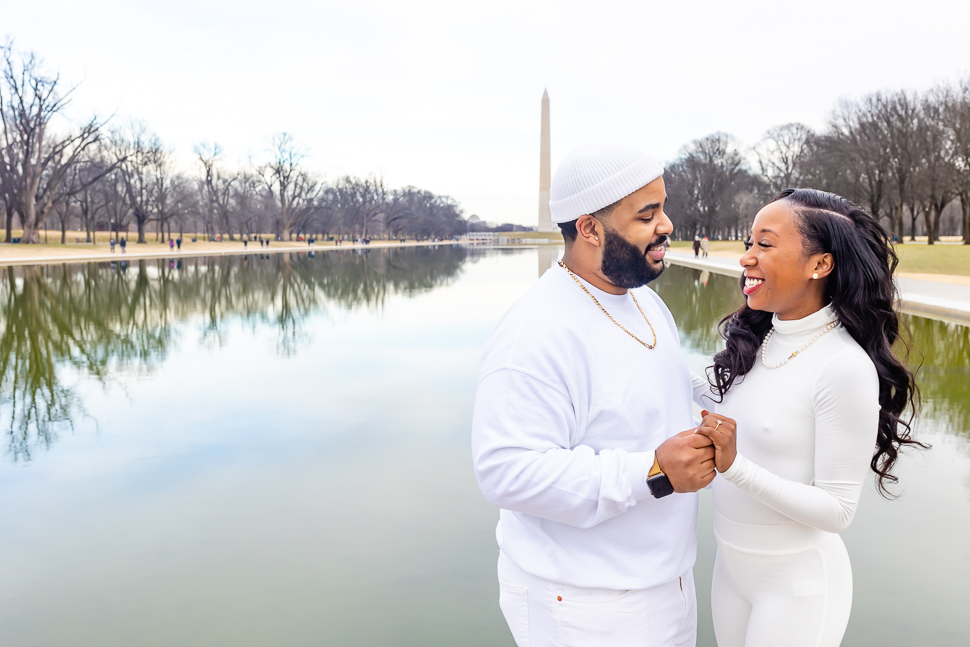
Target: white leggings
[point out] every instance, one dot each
(764, 598)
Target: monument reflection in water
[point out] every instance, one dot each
(273, 449)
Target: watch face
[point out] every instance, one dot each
(660, 486)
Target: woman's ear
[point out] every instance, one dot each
(589, 229)
(824, 264)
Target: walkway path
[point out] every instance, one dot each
(18, 255)
(944, 301)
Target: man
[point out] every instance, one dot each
(582, 392)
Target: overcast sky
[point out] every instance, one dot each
(446, 95)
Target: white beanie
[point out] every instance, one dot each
(594, 176)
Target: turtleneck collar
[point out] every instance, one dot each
(811, 323)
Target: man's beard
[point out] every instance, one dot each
(624, 264)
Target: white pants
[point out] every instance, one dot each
(766, 598)
(545, 614)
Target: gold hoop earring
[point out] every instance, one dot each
(815, 275)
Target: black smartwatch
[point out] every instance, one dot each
(658, 482)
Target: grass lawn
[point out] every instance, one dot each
(735, 246)
(914, 258)
(934, 259)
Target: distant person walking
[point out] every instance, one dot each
(178, 243)
(245, 243)
(123, 243)
(697, 246)
(705, 246)
(171, 244)
(111, 243)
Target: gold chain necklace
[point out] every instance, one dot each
(619, 325)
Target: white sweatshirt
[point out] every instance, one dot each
(568, 412)
(806, 431)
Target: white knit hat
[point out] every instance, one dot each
(594, 176)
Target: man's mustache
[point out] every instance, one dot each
(657, 243)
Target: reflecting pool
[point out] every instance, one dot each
(274, 450)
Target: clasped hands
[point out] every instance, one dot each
(689, 459)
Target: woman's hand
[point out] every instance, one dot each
(722, 431)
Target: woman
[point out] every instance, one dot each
(809, 376)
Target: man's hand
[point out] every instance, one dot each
(688, 461)
(723, 433)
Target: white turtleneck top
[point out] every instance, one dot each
(806, 431)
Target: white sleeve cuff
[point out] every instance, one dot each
(737, 469)
(639, 466)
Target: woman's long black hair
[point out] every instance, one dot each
(863, 295)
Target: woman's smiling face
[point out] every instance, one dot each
(778, 272)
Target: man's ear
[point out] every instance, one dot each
(590, 230)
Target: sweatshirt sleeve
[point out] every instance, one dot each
(703, 396)
(525, 462)
(846, 407)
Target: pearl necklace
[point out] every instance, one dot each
(764, 345)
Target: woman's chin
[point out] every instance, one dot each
(755, 303)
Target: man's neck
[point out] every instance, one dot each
(590, 272)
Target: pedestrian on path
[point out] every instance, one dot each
(111, 243)
(178, 243)
(123, 243)
(705, 246)
(697, 246)
(171, 244)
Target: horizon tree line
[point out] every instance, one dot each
(902, 155)
(97, 176)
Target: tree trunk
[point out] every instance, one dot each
(63, 231)
(31, 235)
(141, 231)
(10, 223)
(965, 212)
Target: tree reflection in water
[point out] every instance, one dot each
(698, 302)
(99, 318)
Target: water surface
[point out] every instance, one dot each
(275, 450)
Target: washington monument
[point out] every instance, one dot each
(545, 214)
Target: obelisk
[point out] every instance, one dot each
(545, 176)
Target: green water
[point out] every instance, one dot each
(274, 451)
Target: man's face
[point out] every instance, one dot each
(635, 233)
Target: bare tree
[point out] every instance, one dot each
(361, 203)
(898, 116)
(782, 155)
(958, 122)
(857, 140)
(935, 185)
(35, 158)
(704, 184)
(143, 172)
(293, 190)
(217, 190)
